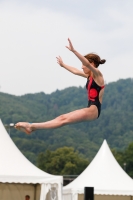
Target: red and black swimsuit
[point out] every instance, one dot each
(93, 93)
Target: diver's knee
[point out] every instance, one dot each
(62, 119)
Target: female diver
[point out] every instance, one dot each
(95, 90)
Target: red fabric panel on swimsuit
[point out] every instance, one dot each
(89, 85)
(92, 93)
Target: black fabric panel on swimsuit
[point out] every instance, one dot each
(93, 85)
(98, 105)
(96, 102)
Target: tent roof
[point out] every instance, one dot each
(104, 174)
(15, 167)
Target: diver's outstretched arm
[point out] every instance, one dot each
(73, 70)
(84, 61)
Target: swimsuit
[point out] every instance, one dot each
(93, 94)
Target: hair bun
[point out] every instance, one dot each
(102, 61)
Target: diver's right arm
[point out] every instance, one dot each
(70, 69)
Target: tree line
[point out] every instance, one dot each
(115, 123)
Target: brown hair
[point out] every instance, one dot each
(92, 57)
(27, 196)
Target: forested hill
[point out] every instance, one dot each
(115, 123)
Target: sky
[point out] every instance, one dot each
(34, 32)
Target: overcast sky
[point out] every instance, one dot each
(34, 32)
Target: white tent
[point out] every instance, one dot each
(109, 180)
(19, 177)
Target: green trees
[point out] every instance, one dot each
(115, 123)
(125, 159)
(63, 161)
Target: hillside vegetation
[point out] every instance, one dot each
(115, 123)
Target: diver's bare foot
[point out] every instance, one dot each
(24, 127)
